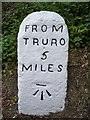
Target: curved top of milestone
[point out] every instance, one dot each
(41, 17)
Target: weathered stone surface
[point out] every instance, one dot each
(42, 63)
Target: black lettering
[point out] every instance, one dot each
(62, 41)
(60, 68)
(26, 40)
(26, 68)
(35, 40)
(57, 29)
(42, 69)
(53, 41)
(26, 27)
(44, 28)
(44, 55)
(50, 67)
(34, 28)
(44, 42)
(35, 67)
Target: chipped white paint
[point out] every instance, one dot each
(42, 63)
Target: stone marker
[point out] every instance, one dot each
(42, 63)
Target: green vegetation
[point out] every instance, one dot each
(76, 15)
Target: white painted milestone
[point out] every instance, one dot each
(42, 63)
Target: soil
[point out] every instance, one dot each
(77, 101)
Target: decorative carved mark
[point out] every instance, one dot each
(41, 95)
(36, 92)
(40, 85)
(48, 93)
